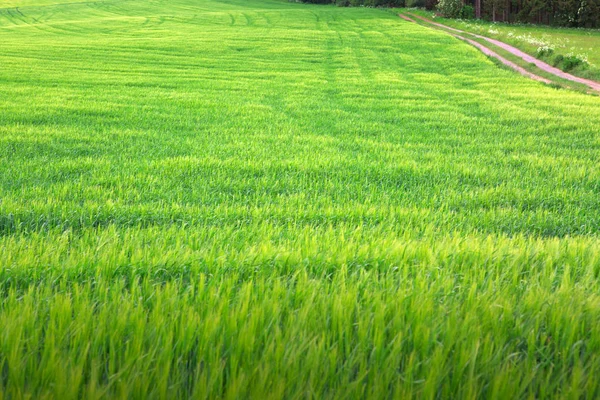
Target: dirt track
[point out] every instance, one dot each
(513, 50)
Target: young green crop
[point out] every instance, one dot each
(267, 199)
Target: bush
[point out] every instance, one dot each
(450, 8)
(467, 12)
(571, 61)
(544, 51)
(558, 59)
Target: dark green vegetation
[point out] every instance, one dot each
(566, 13)
(263, 198)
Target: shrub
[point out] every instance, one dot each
(558, 59)
(544, 51)
(450, 8)
(571, 61)
(467, 12)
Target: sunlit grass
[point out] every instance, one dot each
(268, 199)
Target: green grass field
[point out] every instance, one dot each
(581, 43)
(263, 199)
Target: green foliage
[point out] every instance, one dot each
(567, 13)
(571, 61)
(450, 8)
(265, 199)
(415, 3)
(570, 13)
(544, 51)
(467, 12)
(588, 13)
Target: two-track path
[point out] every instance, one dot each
(511, 49)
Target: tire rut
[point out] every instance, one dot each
(511, 49)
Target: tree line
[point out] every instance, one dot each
(567, 13)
